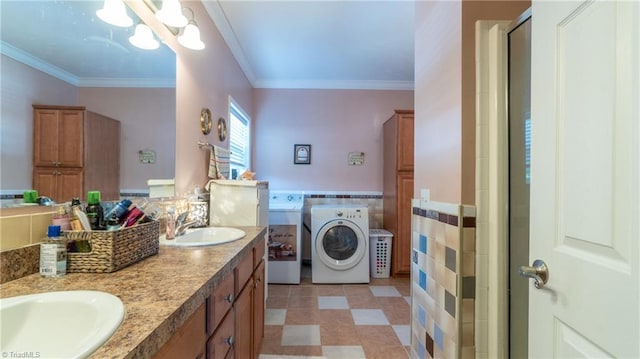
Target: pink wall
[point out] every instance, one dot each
(438, 99)
(204, 78)
(334, 122)
(23, 86)
(445, 93)
(146, 118)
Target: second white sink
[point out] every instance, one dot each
(208, 236)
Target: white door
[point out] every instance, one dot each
(584, 179)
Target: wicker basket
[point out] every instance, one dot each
(113, 250)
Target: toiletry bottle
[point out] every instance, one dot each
(94, 210)
(53, 254)
(133, 216)
(62, 219)
(171, 223)
(120, 209)
(74, 220)
(112, 223)
(151, 212)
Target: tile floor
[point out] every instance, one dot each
(336, 321)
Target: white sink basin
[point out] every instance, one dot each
(208, 236)
(68, 324)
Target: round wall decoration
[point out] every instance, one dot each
(222, 129)
(205, 121)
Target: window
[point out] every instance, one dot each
(239, 139)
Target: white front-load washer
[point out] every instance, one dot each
(339, 244)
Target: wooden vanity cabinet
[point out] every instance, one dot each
(220, 318)
(74, 151)
(249, 306)
(398, 144)
(231, 322)
(188, 341)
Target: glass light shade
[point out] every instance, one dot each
(143, 38)
(114, 12)
(190, 37)
(171, 14)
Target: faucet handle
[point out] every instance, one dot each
(182, 217)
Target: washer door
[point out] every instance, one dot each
(340, 244)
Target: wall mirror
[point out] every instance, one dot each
(67, 40)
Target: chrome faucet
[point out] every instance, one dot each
(182, 224)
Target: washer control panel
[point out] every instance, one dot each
(349, 213)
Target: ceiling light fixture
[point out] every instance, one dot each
(190, 37)
(143, 38)
(171, 14)
(114, 12)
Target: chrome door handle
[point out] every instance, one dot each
(539, 272)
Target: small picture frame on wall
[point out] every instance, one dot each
(302, 154)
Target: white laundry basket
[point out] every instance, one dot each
(380, 249)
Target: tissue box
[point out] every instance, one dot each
(161, 188)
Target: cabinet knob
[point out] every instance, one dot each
(229, 340)
(229, 298)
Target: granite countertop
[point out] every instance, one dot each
(159, 293)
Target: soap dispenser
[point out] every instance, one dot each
(171, 223)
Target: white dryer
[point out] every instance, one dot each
(339, 244)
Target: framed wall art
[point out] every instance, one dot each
(302, 154)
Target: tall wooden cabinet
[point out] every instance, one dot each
(75, 151)
(398, 187)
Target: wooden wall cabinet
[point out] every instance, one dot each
(71, 141)
(398, 144)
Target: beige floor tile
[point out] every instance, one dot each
(303, 302)
(279, 290)
(339, 335)
(386, 352)
(330, 290)
(304, 291)
(377, 335)
(296, 316)
(335, 317)
(277, 302)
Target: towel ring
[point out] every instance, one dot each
(222, 129)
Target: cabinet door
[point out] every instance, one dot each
(71, 138)
(59, 184)
(189, 341)
(45, 137)
(70, 184)
(45, 181)
(258, 309)
(405, 142)
(402, 244)
(242, 309)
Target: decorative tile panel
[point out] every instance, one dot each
(443, 269)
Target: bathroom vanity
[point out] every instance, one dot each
(204, 302)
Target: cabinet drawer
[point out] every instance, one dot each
(222, 340)
(243, 271)
(258, 252)
(220, 302)
(188, 341)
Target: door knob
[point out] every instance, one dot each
(539, 272)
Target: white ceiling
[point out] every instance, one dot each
(364, 44)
